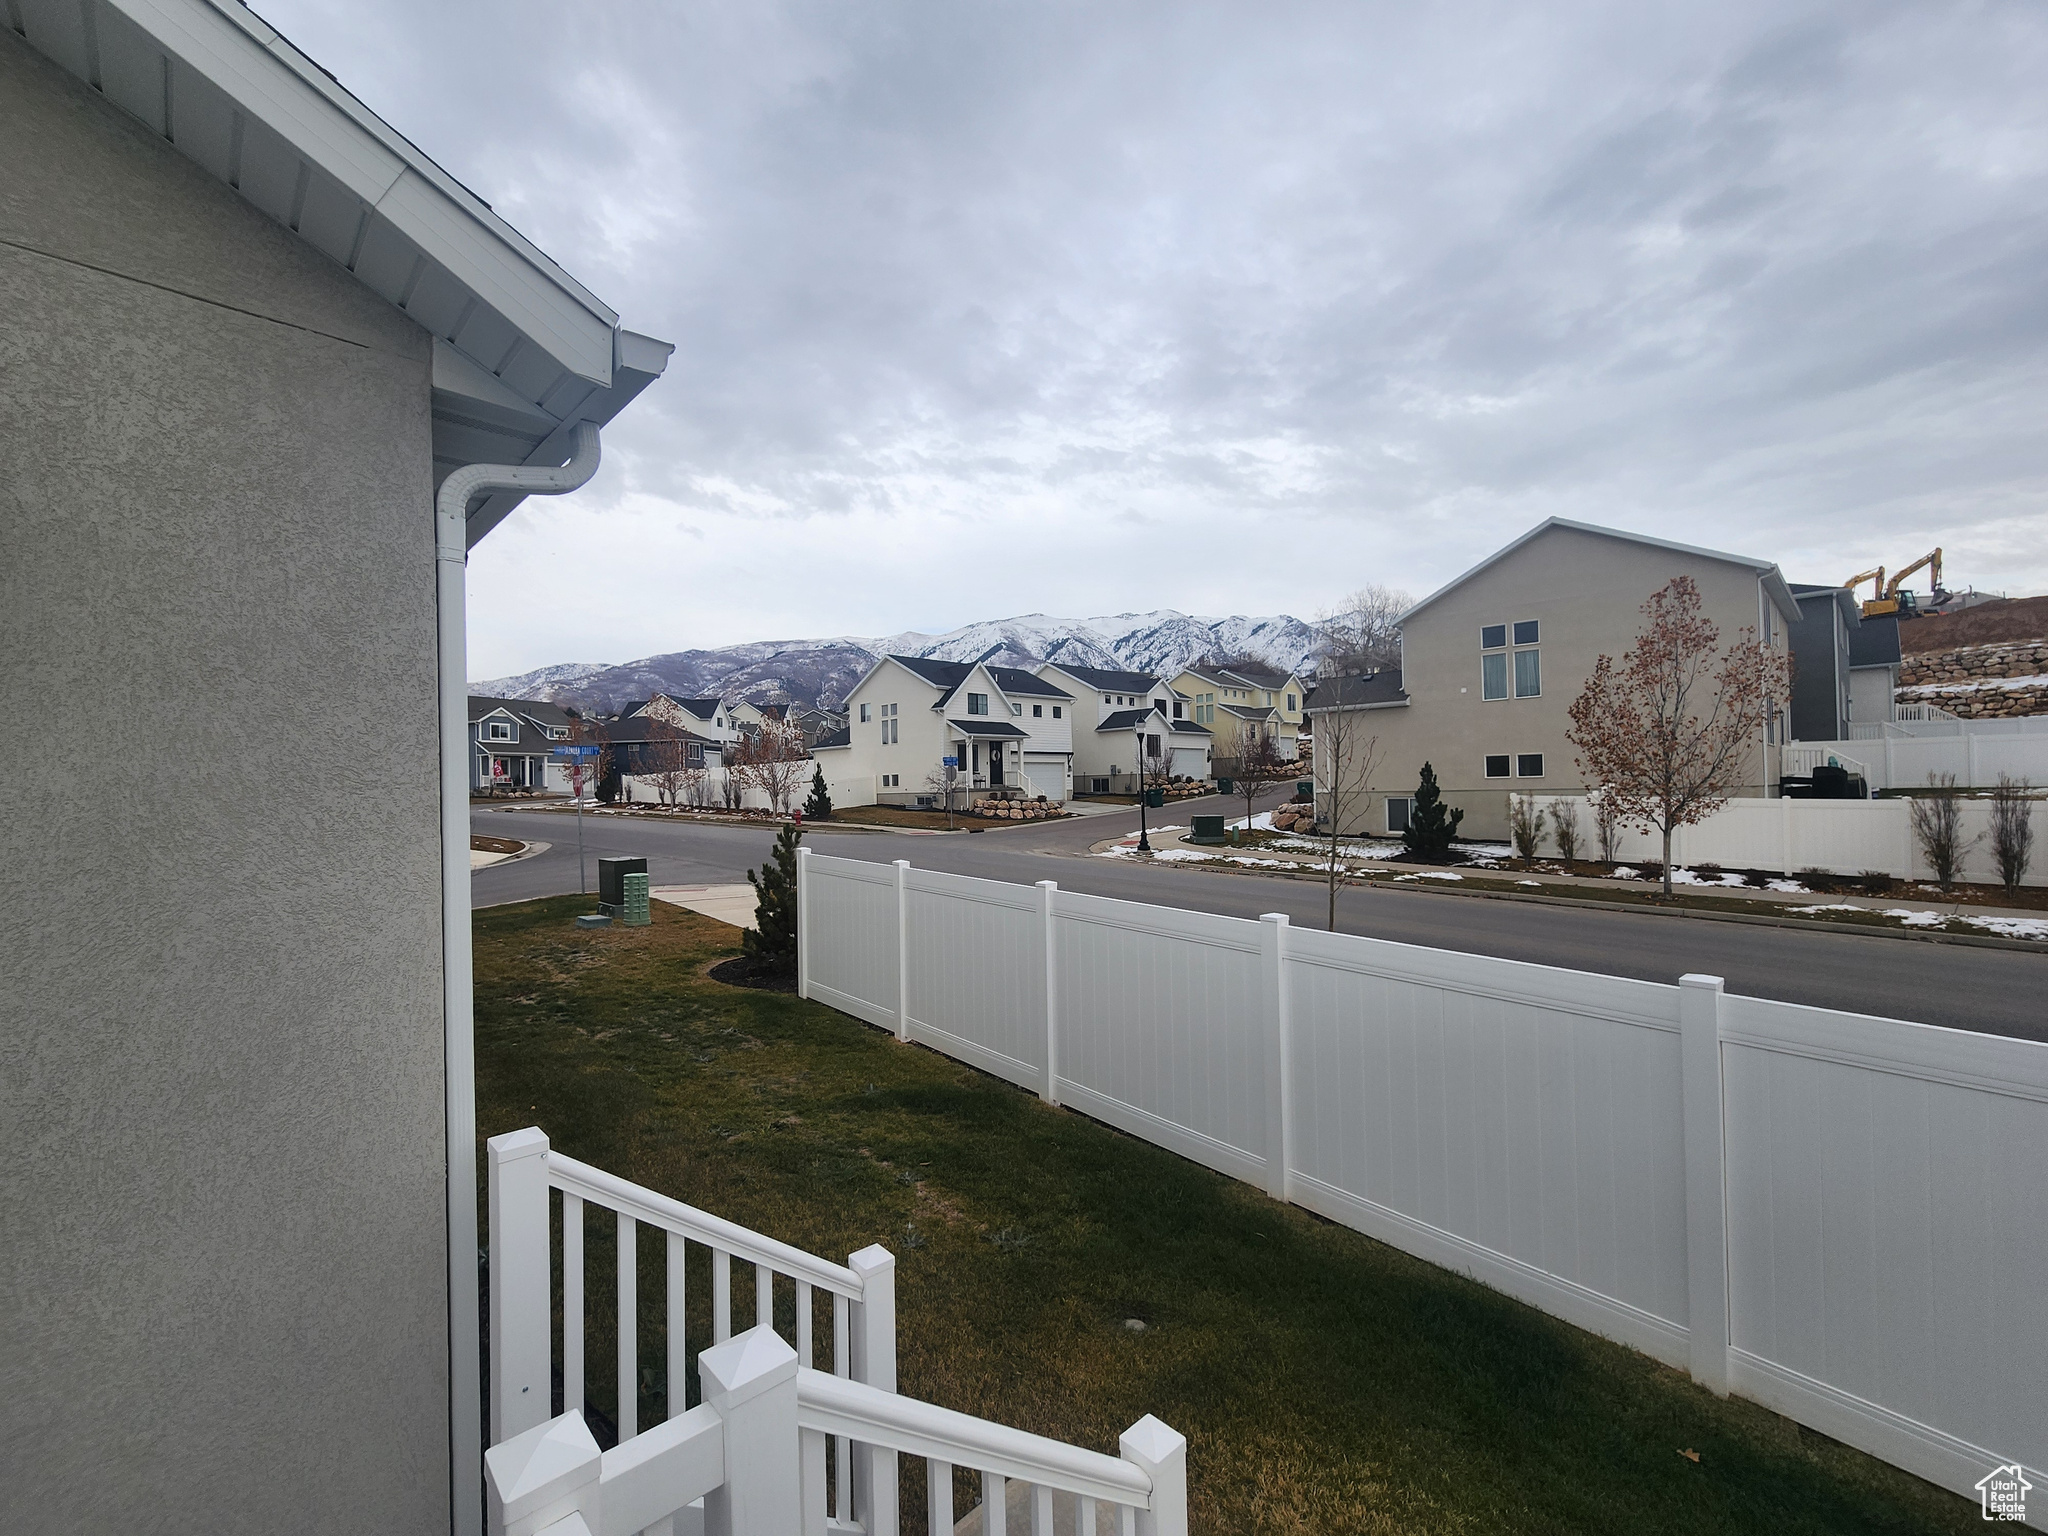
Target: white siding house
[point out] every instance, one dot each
(1006, 729)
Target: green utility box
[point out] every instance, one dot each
(1226, 786)
(1305, 790)
(1208, 831)
(634, 913)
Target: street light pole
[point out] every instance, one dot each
(1144, 841)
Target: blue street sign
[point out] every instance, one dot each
(952, 762)
(577, 751)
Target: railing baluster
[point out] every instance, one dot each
(995, 1504)
(1084, 1515)
(1041, 1510)
(842, 1457)
(678, 1337)
(764, 1296)
(1126, 1520)
(938, 1496)
(812, 1464)
(629, 1345)
(805, 1344)
(572, 1303)
(721, 1296)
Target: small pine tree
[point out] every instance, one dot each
(771, 942)
(819, 805)
(1430, 825)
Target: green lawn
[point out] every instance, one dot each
(1325, 1382)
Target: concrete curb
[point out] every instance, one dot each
(1803, 925)
(527, 850)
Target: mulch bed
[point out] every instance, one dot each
(746, 971)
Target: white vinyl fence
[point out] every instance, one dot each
(1846, 837)
(1975, 751)
(1840, 1216)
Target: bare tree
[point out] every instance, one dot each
(1260, 768)
(940, 782)
(586, 772)
(2012, 830)
(1669, 733)
(1525, 826)
(1607, 827)
(1346, 758)
(773, 761)
(1937, 821)
(1359, 634)
(1564, 826)
(735, 760)
(668, 759)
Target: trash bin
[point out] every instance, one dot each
(1155, 798)
(1226, 786)
(1208, 831)
(1305, 790)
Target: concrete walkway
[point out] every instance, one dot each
(728, 903)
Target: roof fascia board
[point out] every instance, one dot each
(251, 63)
(1759, 566)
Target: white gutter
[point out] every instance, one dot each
(458, 1002)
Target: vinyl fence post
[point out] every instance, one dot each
(521, 1346)
(1279, 1090)
(1048, 894)
(750, 1380)
(1785, 831)
(902, 868)
(873, 1324)
(803, 921)
(1706, 1183)
(543, 1476)
(1162, 1454)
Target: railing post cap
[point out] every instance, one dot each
(1048, 885)
(513, 1145)
(1151, 1444)
(900, 863)
(1699, 979)
(544, 1466)
(1274, 917)
(871, 1260)
(745, 1366)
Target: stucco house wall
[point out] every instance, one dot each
(1584, 591)
(223, 1284)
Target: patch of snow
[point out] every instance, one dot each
(1430, 874)
(1529, 882)
(1913, 917)
(1263, 822)
(2012, 927)
(1978, 685)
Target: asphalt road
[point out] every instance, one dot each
(1988, 990)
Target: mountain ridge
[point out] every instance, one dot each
(823, 671)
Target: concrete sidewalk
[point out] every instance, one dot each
(728, 903)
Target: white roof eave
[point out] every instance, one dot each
(287, 102)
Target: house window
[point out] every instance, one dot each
(1055, 711)
(1397, 812)
(977, 703)
(1017, 709)
(864, 713)
(1493, 675)
(1525, 631)
(1290, 703)
(1528, 674)
(1497, 765)
(1176, 709)
(1529, 765)
(498, 730)
(1160, 705)
(1038, 711)
(1151, 746)
(1493, 637)
(1105, 698)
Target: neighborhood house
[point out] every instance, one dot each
(1121, 717)
(1005, 730)
(514, 740)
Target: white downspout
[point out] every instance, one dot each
(458, 1005)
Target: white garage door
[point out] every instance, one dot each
(1191, 762)
(1047, 776)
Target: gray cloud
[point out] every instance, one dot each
(1003, 308)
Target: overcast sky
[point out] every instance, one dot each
(985, 309)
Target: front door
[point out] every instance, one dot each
(995, 764)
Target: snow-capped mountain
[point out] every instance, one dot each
(823, 671)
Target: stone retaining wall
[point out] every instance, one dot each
(1944, 678)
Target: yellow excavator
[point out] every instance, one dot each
(1894, 597)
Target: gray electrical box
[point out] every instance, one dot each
(611, 882)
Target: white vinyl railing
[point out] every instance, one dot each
(1800, 760)
(1840, 1216)
(861, 1296)
(774, 1446)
